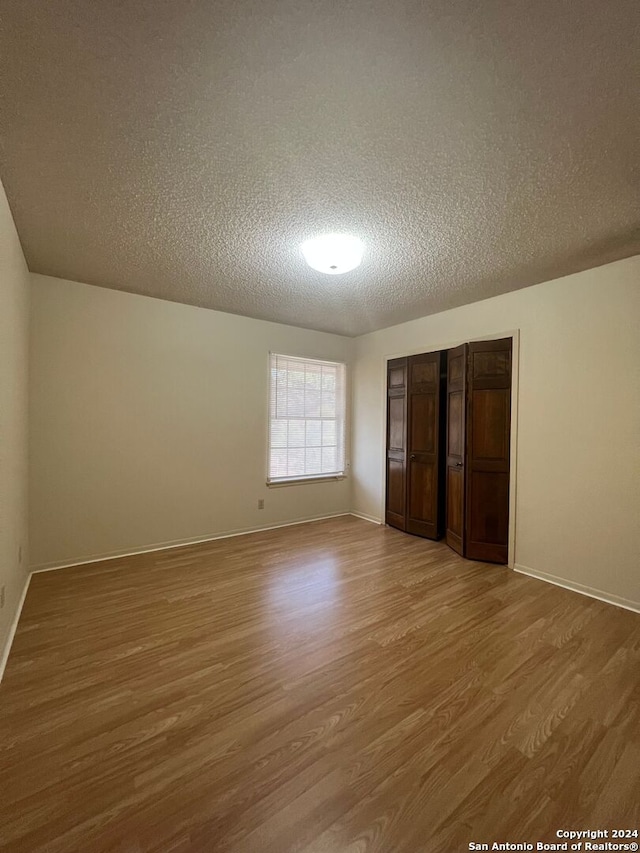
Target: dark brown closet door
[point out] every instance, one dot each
(396, 442)
(488, 442)
(456, 442)
(424, 486)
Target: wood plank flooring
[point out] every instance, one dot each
(332, 687)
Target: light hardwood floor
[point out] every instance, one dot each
(335, 687)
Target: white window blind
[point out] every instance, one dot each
(306, 418)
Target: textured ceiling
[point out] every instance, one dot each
(185, 149)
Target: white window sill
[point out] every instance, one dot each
(299, 481)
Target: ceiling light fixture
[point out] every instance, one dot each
(333, 253)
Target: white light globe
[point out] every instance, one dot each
(333, 253)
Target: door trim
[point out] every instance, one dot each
(514, 334)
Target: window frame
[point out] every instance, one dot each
(281, 482)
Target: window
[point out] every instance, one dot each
(306, 419)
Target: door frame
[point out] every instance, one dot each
(514, 334)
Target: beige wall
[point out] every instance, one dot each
(14, 334)
(578, 453)
(148, 423)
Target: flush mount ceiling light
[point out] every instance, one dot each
(333, 253)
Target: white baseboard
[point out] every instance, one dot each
(14, 625)
(175, 543)
(365, 517)
(600, 594)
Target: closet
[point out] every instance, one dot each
(448, 444)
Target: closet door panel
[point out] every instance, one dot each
(491, 418)
(424, 493)
(397, 424)
(488, 447)
(395, 507)
(489, 529)
(455, 447)
(423, 423)
(395, 492)
(455, 510)
(423, 480)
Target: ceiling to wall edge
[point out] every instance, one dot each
(325, 331)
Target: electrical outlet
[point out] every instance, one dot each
(2, 597)
(20, 554)
(261, 503)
